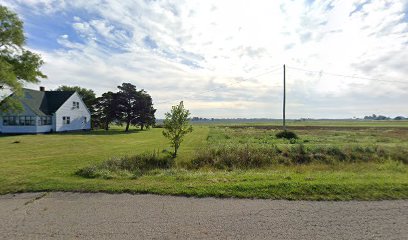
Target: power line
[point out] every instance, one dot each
(231, 84)
(346, 76)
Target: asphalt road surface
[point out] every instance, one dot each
(125, 216)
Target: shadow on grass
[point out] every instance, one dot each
(102, 132)
(92, 132)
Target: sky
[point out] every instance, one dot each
(224, 59)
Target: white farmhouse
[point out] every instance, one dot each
(47, 111)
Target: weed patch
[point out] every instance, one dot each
(127, 166)
(260, 156)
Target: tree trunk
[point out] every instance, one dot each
(142, 126)
(127, 126)
(176, 146)
(106, 125)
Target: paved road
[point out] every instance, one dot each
(124, 216)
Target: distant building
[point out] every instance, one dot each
(47, 111)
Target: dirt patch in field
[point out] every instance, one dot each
(396, 133)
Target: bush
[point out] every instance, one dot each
(87, 172)
(134, 166)
(401, 155)
(287, 135)
(299, 154)
(234, 157)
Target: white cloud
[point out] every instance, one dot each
(176, 49)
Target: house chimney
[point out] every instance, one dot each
(42, 89)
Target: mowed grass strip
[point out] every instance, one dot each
(375, 182)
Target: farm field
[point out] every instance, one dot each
(373, 161)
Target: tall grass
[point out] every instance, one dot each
(244, 156)
(247, 156)
(126, 166)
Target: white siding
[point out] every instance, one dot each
(24, 129)
(19, 129)
(44, 129)
(76, 115)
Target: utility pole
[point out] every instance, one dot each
(284, 97)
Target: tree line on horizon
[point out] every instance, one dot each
(381, 117)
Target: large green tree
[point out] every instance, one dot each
(146, 111)
(134, 106)
(17, 64)
(105, 110)
(176, 125)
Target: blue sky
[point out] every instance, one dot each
(224, 58)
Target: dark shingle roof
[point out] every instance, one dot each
(54, 100)
(45, 102)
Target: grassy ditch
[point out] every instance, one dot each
(341, 181)
(245, 157)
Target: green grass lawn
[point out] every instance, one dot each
(49, 162)
(39, 161)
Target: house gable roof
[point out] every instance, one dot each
(44, 103)
(54, 100)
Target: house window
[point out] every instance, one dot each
(13, 121)
(46, 120)
(19, 121)
(27, 121)
(9, 121)
(66, 120)
(6, 121)
(75, 104)
(32, 121)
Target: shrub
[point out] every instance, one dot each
(134, 166)
(234, 157)
(335, 152)
(144, 162)
(401, 155)
(287, 135)
(299, 154)
(87, 172)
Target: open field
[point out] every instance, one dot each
(319, 123)
(49, 162)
